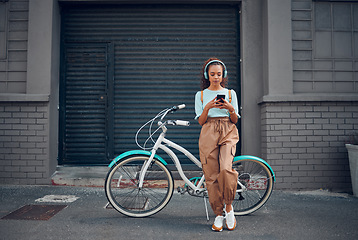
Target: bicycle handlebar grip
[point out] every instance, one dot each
(173, 109)
(181, 106)
(182, 123)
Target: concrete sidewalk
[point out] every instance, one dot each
(287, 215)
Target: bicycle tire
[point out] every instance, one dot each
(121, 187)
(258, 180)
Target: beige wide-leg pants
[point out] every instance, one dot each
(217, 145)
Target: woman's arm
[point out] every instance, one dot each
(233, 116)
(231, 109)
(204, 115)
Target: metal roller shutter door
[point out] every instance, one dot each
(84, 119)
(158, 54)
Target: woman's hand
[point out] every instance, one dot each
(223, 104)
(226, 105)
(212, 104)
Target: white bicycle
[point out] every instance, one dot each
(139, 183)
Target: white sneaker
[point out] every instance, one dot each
(230, 219)
(218, 224)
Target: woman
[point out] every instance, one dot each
(218, 139)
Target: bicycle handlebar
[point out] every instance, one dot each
(161, 125)
(172, 109)
(179, 123)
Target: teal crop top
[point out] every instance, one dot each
(209, 95)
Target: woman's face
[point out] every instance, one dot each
(215, 74)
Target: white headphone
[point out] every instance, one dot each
(218, 61)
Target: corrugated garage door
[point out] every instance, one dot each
(158, 54)
(84, 106)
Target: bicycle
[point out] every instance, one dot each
(139, 183)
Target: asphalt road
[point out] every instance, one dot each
(287, 215)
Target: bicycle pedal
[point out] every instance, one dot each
(181, 190)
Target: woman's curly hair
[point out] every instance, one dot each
(205, 83)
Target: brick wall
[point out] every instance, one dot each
(24, 143)
(304, 143)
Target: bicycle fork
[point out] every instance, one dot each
(144, 169)
(151, 159)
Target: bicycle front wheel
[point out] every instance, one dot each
(255, 184)
(126, 197)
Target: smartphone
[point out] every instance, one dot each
(220, 97)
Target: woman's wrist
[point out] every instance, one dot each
(233, 116)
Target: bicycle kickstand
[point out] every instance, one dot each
(206, 208)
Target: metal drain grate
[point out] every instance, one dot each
(57, 198)
(35, 212)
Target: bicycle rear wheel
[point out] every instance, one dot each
(257, 181)
(126, 197)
